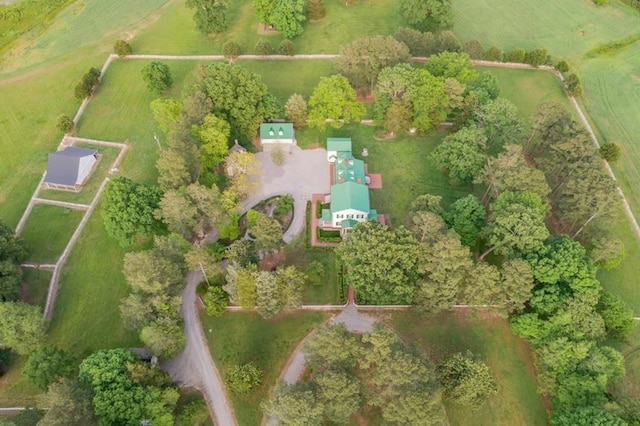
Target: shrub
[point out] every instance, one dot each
(474, 49)
(201, 289)
(157, 76)
(122, 48)
(610, 152)
(264, 47)
(231, 50)
(252, 218)
(572, 85)
(215, 300)
(516, 55)
(244, 378)
(448, 42)
(328, 236)
(296, 110)
(601, 2)
(536, 57)
(562, 66)
(87, 84)
(285, 204)
(286, 47)
(65, 123)
(318, 209)
(315, 10)
(494, 54)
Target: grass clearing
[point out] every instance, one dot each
(517, 401)
(243, 337)
(36, 286)
(15, 389)
(48, 231)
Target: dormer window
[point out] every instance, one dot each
(280, 132)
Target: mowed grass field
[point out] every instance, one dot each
(239, 338)
(517, 401)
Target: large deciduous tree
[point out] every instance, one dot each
(210, 15)
(428, 100)
(427, 14)
(362, 60)
(467, 380)
(22, 327)
(288, 16)
(462, 154)
(68, 403)
(466, 217)
(500, 120)
(12, 252)
(335, 100)
(157, 76)
(128, 210)
(48, 364)
(296, 110)
(381, 264)
(455, 65)
(213, 135)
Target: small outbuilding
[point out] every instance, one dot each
(272, 134)
(69, 169)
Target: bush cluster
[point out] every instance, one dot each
(87, 84)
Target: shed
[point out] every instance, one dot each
(69, 169)
(272, 134)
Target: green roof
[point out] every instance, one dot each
(339, 144)
(348, 223)
(349, 169)
(349, 195)
(276, 131)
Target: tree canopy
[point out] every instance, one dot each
(210, 16)
(335, 100)
(427, 14)
(13, 251)
(22, 327)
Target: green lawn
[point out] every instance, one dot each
(48, 231)
(240, 338)
(517, 401)
(15, 389)
(36, 287)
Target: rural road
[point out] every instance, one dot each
(194, 366)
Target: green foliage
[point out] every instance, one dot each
(285, 204)
(382, 264)
(213, 136)
(536, 57)
(494, 54)
(241, 285)
(128, 210)
(429, 101)
(237, 95)
(231, 50)
(87, 84)
(334, 99)
(467, 380)
(13, 251)
(263, 47)
(419, 43)
(48, 364)
(340, 395)
(244, 378)
(607, 253)
(474, 49)
(210, 17)
(617, 315)
(601, 2)
(294, 404)
(68, 403)
(315, 10)
(560, 260)
(116, 398)
(22, 327)
(585, 416)
(613, 47)
(194, 413)
(516, 55)
(610, 152)
(215, 301)
(362, 60)
(562, 66)
(267, 233)
(461, 154)
(287, 48)
(64, 123)
(122, 48)
(296, 110)
(427, 14)
(452, 65)
(572, 85)
(466, 217)
(157, 76)
(166, 111)
(398, 117)
(315, 273)
(288, 16)
(501, 122)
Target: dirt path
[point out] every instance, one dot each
(194, 366)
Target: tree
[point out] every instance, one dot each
(164, 337)
(427, 14)
(242, 168)
(166, 111)
(267, 233)
(617, 315)
(422, 406)
(461, 154)
(48, 364)
(572, 85)
(452, 65)
(196, 107)
(398, 117)
(607, 253)
(241, 285)
(501, 122)
(481, 285)
(517, 224)
(215, 301)
(381, 264)
(13, 252)
(296, 110)
(332, 345)
(536, 57)
(87, 84)
(288, 16)
(22, 327)
(585, 416)
(294, 405)
(231, 50)
(238, 96)
(264, 10)
(263, 47)
(562, 66)
(515, 284)
(157, 76)
(559, 260)
(419, 43)
(474, 49)
(210, 16)
(173, 171)
(466, 217)
(466, 380)
(610, 152)
(122, 48)
(516, 55)
(68, 403)
(64, 124)
(335, 100)
(429, 101)
(339, 394)
(244, 378)
(128, 210)
(487, 83)
(287, 48)
(362, 60)
(315, 10)
(494, 54)
(213, 135)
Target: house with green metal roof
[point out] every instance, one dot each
(277, 134)
(349, 195)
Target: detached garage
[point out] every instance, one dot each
(69, 169)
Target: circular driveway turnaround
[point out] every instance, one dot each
(303, 173)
